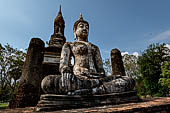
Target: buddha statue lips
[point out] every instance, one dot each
(87, 75)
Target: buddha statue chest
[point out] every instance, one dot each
(83, 57)
(80, 49)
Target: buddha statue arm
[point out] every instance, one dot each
(98, 62)
(65, 59)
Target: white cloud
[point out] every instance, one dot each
(23, 50)
(123, 53)
(136, 54)
(167, 45)
(162, 36)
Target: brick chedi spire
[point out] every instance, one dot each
(53, 51)
(58, 38)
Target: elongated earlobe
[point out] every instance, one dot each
(75, 36)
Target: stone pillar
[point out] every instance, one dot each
(29, 86)
(117, 63)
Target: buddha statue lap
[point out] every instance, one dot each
(87, 75)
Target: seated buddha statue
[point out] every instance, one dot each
(87, 75)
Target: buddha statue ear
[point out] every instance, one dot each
(75, 36)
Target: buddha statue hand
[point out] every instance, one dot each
(66, 78)
(66, 81)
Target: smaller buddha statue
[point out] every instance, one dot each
(87, 75)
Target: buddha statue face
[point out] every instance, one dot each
(82, 31)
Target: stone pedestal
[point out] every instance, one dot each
(51, 102)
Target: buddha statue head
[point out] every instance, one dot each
(81, 29)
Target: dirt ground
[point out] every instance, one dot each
(128, 107)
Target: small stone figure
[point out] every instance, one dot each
(87, 75)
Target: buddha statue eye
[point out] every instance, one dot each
(81, 25)
(86, 26)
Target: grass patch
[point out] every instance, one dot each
(3, 105)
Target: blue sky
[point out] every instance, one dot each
(129, 25)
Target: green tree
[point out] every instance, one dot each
(131, 66)
(164, 81)
(132, 70)
(150, 66)
(11, 63)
